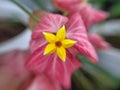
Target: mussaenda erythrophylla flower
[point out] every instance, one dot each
(54, 44)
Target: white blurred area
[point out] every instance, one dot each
(21, 41)
(110, 61)
(32, 6)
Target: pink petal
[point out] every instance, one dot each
(54, 67)
(13, 63)
(99, 16)
(65, 4)
(37, 43)
(76, 26)
(42, 82)
(85, 47)
(84, 11)
(98, 42)
(89, 15)
(49, 23)
(76, 31)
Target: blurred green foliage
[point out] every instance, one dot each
(112, 6)
(93, 77)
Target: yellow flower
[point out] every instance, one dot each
(58, 43)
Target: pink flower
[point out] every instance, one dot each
(12, 70)
(64, 5)
(89, 15)
(60, 62)
(98, 42)
(40, 82)
(13, 63)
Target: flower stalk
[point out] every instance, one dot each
(25, 10)
(39, 4)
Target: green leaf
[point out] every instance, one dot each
(115, 10)
(82, 81)
(102, 78)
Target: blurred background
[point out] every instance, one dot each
(111, 6)
(15, 34)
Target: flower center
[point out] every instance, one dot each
(58, 44)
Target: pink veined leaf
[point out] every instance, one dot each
(41, 82)
(37, 43)
(89, 15)
(76, 25)
(13, 63)
(76, 31)
(98, 42)
(54, 67)
(49, 23)
(65, 4)
(86, 15)
(99, 16)
(84, 11)
(93, 15)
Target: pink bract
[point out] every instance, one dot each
(89, 15)
(65, 4)
(51, 65)
(98, 42)
(13, 63)
(40, 82)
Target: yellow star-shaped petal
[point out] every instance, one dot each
(58, 43)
